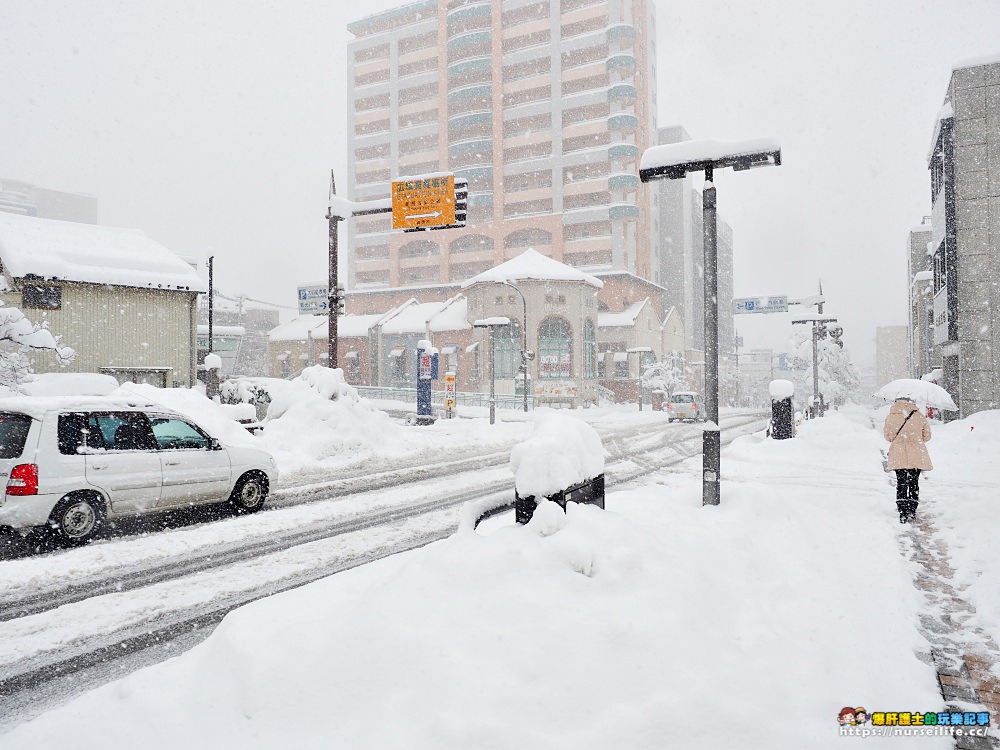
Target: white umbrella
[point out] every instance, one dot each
(921, 392)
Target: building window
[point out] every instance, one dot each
(555, 348)
(531, 237)
(400, 375)
(621, 365)
(41, 296)
(589, 349)
(353, 367)
(507, 350)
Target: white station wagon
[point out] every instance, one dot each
(73, 464)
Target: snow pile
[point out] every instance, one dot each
(318, 416)
(962, 493)
(657, 623)
(562, 451)
(781, 389)
(69, 384)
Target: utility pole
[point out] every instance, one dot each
(333, 291)
(211, 300)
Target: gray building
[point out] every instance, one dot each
(921, 300)
(23, 198)
(964, 164)
(678, 254)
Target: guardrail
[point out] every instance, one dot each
(462, 398)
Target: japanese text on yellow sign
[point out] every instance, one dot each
(423, 202)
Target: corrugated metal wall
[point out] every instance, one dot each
(119, 327)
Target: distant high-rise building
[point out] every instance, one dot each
(18, 197)
(678, 254)
(543, 106)
(891, 353)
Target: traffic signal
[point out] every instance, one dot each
(341, 300)
(835, 333)
(461, 201)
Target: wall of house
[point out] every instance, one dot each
(119, 327)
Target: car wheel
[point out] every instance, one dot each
(77, 519)
(249, 493)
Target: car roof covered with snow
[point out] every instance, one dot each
(38, 406)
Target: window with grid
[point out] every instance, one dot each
(555, 348)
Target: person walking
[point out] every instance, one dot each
(907, 431)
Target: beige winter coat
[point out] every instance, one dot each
(907, 450)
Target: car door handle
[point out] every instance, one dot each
(172, 463)
(98, 467)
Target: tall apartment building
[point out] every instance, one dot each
(964, 164)
(678, 254)
(544, 106)
(23, 198)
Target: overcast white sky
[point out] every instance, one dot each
(213, 127)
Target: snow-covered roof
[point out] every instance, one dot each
(625, 318)
(532, 265)
(454, 316)
(703, 150)
(299, 329)
(976, 62)
(72, 251)
(222, 330)
(356, 325)
(416, 317)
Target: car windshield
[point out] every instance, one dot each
(683, 398)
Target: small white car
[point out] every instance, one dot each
(685, 405)
(72, 464)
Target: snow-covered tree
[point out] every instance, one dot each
(663, 376)
(18, 336)
(837, 376)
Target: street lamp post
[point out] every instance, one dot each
(674, 162)
(492, 324)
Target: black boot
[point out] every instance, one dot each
(901, 506)
(911, 510)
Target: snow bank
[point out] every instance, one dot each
(561, 451)
(655, 624)
(318, 416)
(962, 493)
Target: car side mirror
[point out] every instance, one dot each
(214, 444)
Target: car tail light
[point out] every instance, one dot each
(23, 480)
(670, 406)
(694, 406)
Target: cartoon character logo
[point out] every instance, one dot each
(846, 716)
(860, 716)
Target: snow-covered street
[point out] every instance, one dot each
(657, 622)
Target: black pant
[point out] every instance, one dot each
(907, 490)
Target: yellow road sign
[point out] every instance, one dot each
(423, 202)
